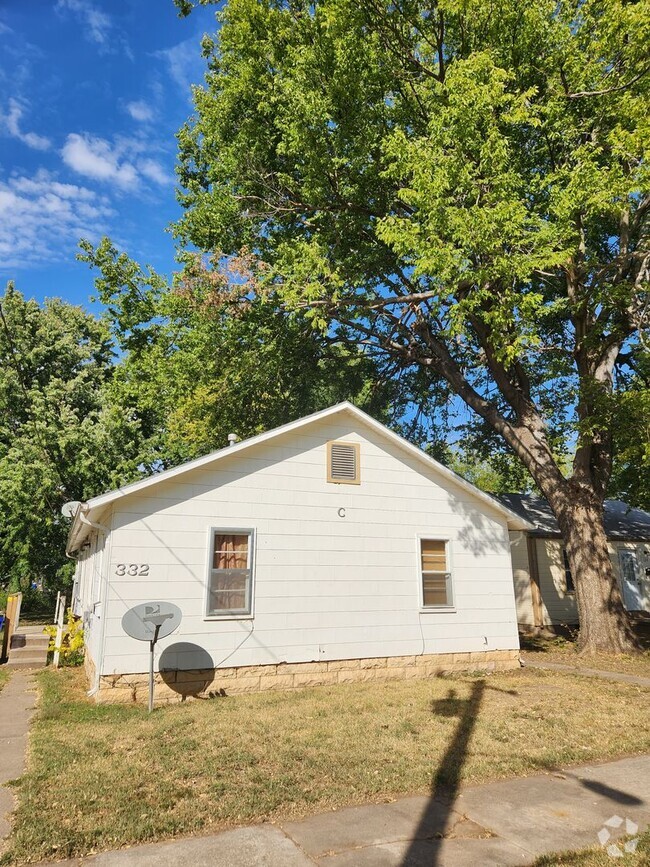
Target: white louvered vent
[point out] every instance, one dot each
(343, 463)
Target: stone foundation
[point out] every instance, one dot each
(173, 686)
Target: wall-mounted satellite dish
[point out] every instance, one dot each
(149, 622)
(69, 510)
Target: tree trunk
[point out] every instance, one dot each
(604, 622)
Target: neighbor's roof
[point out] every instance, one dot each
(92, 509)
(622, 523)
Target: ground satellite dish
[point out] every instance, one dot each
(68, 510)
(149, 622)
(152, 620)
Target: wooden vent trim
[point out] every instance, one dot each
(343, 463)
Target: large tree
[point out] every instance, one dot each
(196, 369)
(463, 185)
(60, 439)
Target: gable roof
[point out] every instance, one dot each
(622, 523)
(86, 511)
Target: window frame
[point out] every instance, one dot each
(234, 615)
(450, 606)
(357, 449)
(569, 590)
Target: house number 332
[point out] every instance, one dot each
(132, 569)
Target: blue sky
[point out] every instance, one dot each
(92, 93)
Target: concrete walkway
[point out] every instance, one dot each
(17, 700)
(506, 823)
(617, 676)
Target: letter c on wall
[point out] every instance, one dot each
(341, 512)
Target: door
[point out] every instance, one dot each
(631, 580)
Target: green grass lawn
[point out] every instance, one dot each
(103, 776)
(4, 675)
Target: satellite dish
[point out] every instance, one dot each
(69, 510)
(152, 620)
(149, 622)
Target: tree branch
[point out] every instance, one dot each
(582, 94)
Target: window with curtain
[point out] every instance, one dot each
(229, 591)
(436, 575)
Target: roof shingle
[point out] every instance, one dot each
(622, 523)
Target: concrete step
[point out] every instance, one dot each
(27, 651)
(26, 662)
(18, 640)
(22, 637)
(33, 629)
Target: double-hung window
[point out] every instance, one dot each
(230, 574)
(435, 574)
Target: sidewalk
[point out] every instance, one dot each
(618, 676)
(17, 701)
(495, 825)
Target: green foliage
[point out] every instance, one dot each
(37, 604)
(71, 648)
(631, 472)
(59, 438)
(500, 473)
(197, 369)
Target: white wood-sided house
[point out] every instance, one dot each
(327, 550)
(543, 582)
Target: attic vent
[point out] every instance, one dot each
(343, 463)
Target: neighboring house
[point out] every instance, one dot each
(327, 550)
(543, 582)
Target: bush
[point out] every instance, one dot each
(37, 604)
(71, 649)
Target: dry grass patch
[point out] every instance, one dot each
(563, 650)
(598, 857)
(4, 675)
(105, 776)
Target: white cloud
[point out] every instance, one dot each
(140, 111)
(95, 158)
(185, 63)
(10, 123)
(123, 162)
(42, 220)
(98, 24)
(154, 172)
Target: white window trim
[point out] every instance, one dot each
(212, 531)
(433, 609)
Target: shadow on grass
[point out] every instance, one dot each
(427, 840)
(549, 640)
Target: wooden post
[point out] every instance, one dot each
(12, 616)
(535, 589)
(60, 615)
